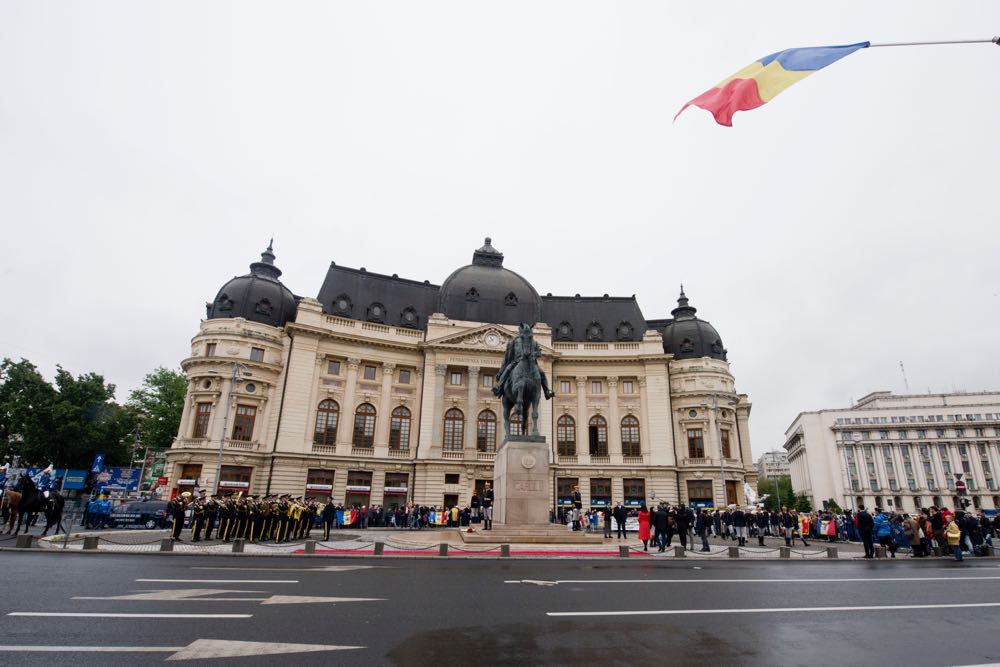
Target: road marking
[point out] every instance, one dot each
(220, 581)
(199, 649)
(741, 581)
(780, 610)
(204, 595)
(98, 614)
(322, 568)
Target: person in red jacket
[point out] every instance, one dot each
(644, 527)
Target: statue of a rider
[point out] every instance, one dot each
(510, 361)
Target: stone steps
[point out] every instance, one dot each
(547, 534)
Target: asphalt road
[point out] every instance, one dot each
(490, 612)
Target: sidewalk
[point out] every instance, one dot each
(428, 543)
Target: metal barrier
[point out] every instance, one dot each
(90, 543)
(443, 549)
(239, 544)
(310, 546)
(379, 548)
(623, 551)
(505, 551)
(786, 552)
(734, 552)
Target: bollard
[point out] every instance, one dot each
(238, 545)
(786, 552)
(879, 552)
(166, 544)
(90, 542)
(734, 552)
(937, 551)
(988, 551)
(505, 551)
(24, 541)
(310, 546)
(379, 548)
(443, 549)
(831, 552)
(622, 551)
(680, 552)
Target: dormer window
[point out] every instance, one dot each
(472, 295)
(263, 307)
(343, 305)
(224, 303)
(625, 331)
(510, 299)
(409, 317)
(595, 331)
(564, 331)
(376, 312)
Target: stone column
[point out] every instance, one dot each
(185, 429)
(440, 370)
(582, 419)
(472, 411)
(644, 432)
(614, 420)
(384, 406)
(219, 412)
(346, 428)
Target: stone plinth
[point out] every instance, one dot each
(521, 482)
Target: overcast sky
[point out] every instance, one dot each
(149, 150)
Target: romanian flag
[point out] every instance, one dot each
(759, 82)
(347, 517)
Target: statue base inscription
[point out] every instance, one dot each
(521, 482)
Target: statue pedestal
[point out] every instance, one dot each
(521, 482)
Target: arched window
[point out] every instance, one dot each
(327, 416)
(598, 432)
(516, 425)
(566, 436)
(486, 432)
(630, 436)
(454, 425)
(364, 426)
(399, 429)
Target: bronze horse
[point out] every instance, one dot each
(523, 382)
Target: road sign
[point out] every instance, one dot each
(960, 487)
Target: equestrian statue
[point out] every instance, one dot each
(521, 382)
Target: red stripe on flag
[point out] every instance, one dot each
(737, 95)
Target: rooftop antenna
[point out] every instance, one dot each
(905, 382)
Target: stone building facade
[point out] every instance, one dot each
(899, 452)
(378, 392)
(772, 465)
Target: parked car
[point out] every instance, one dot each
(140, 514)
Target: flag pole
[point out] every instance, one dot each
(995, 40)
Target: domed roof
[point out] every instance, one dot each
(484, 291)
(687, 337)
(258, 296)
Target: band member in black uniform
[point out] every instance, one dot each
(211, 515)
(177, 506)
(198, 511)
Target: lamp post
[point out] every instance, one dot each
(238, 369)
(722, 455)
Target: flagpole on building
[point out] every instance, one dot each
(995, 40)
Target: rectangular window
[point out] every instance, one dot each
(921, 433)
(565, 387)
(488, 380)
(235, 477)
(866, 435)
(600, 491)
(696, 444)
(883, 435)
(243, 423)
(204, 411)
(635, 491)
(724, 437)
(404, 376)
(451, 478)
(456, 378)
(595, 387)
(700, 491)
(333, 367)
(256, 354)
(210, 350)
(319, 482)
(966, 467)
(369, 373)
(628, 387)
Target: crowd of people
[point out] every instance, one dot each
(922, 532)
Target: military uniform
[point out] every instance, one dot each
(177, 506)
(198, 512)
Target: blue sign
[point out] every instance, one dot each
(701, 504)
(126, 479)
(98, 464)
(74, 479)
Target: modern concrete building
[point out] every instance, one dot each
(899, 452)
(378, 391)
(772, 465)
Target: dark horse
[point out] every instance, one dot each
(26, 501)
(523, 386)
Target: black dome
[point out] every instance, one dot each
(687, 337)
(258, 296)
(484, 291)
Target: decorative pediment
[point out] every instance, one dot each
(489, 337)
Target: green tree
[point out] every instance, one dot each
(779, 492)
(87, 421)
(832, 505)
(803, 504)
(158, 404)
(27, 403)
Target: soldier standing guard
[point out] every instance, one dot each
(488, 507)
(177, 506)
(211, 510)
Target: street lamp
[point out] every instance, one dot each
(238, 369)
